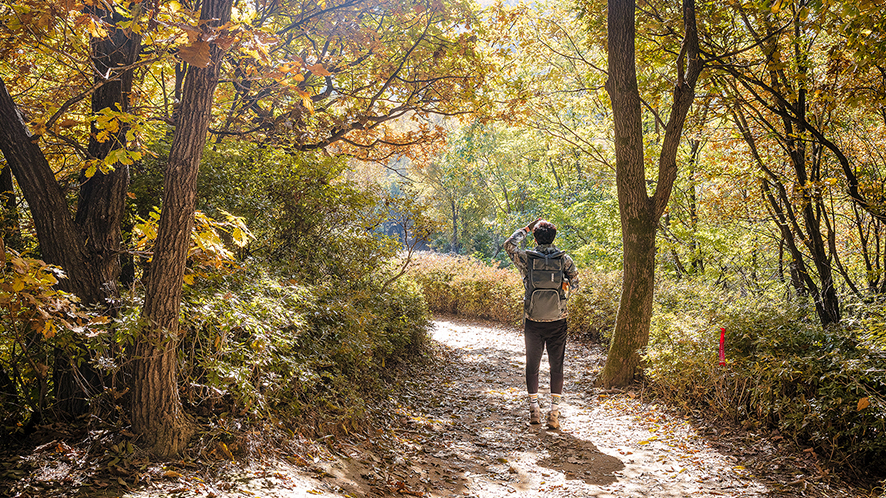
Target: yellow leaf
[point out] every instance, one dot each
(299, 77)
(18, 285)
(49, 330)
(226, 451)
(196, 54)
(863, 403)
(306, 100)
(90, 171)
(95, 29)
(189, 279)
(171, 474)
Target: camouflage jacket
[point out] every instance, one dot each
(520, 259)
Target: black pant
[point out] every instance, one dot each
(541, 335)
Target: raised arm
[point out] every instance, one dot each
(512, 245)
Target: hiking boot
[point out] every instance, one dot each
(554, 420)
(534, 414)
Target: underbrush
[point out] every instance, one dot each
(822, 388)
(468, 287)
(263, 349)
(255, 347)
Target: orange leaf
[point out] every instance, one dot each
(192, 32)
(225, 42)
(863, 403)
(196, 54)
(319, 70)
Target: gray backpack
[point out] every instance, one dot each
(545, 298)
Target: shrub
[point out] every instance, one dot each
(260, 347)
(39, 326)
(819, 387)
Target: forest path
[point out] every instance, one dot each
(459, 428)
(463, 431)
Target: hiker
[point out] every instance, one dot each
(549, 275)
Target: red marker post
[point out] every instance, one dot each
(722, 346)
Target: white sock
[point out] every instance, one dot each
(555, 402)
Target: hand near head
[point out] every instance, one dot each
(531, 226)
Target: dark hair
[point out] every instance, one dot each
(544, 232)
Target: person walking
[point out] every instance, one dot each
(549, 275)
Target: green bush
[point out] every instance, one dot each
(260, 347)
(824, 388)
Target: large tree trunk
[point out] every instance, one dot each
(61, 241)
(640, 212)
(156, 407)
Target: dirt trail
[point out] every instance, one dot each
(460, 430)
(463, 432)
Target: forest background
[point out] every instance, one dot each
(334, 138)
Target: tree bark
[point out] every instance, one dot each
(102, 200)
(157, 413)
(453, 242)
(640, 212)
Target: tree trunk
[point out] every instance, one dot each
(453, 243)
(638, 211)
(102, 200)
(61, 241)
(635, 307)
(157, 413)
(696, 260)
(103, 197)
